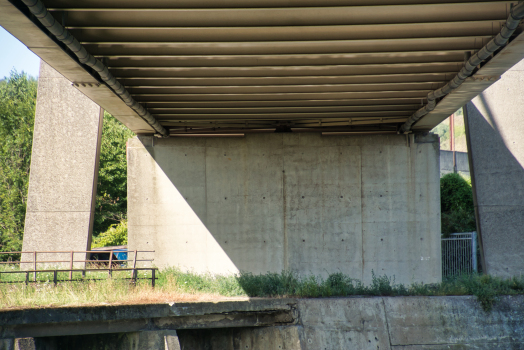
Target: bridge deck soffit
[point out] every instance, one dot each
(245, 65)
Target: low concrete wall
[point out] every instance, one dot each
(385, 323)
(303, 202)
(461, 161)
(401, 323)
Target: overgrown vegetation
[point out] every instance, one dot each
(456, 204)
(173, 285)
(17, 110)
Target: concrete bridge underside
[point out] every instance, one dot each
(366, 197)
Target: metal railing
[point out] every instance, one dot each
(459, 254)
(113, 265)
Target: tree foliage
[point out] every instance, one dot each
(456, 204)
(111, 196)
(114, 236)
(17, 113)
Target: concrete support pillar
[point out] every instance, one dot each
(301, 202)
(495, 128)
(64, 169)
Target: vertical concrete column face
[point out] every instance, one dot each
(302, 202)
(64, 168)
(495, 129)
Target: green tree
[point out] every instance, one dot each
(456, 204)
(111, 197)
(17, 113)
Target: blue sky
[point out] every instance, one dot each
(16, 55)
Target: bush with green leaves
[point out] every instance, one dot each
(115, 235)
(17, 115)
(111, 195)
(456, 204)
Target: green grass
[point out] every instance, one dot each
(173, 284)
(61, 275)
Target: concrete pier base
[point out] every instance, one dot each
(64, 169)
(495, 128)
(303, 202)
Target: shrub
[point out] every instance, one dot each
(115, 235)
(456, 204)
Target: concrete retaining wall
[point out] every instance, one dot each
(402, 323)
(385, 323)
(302, 202)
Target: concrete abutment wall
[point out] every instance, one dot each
(302, 202)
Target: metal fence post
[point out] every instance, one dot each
(134, 266)
(110, 272)
(474, 251)
(34, 266)
(55, 276)
(27, 278)
(153, 278)
(71, 266)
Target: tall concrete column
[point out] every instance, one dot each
(495, 128)
(64, 168)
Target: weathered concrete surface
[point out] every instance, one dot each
(454, 321)
(343, 323)
(386, 323)
(303, 202)
(64, 168)
(494, 127)
(400, 323)
(446, 163)
(134, 318)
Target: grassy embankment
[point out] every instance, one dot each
(174, 285)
